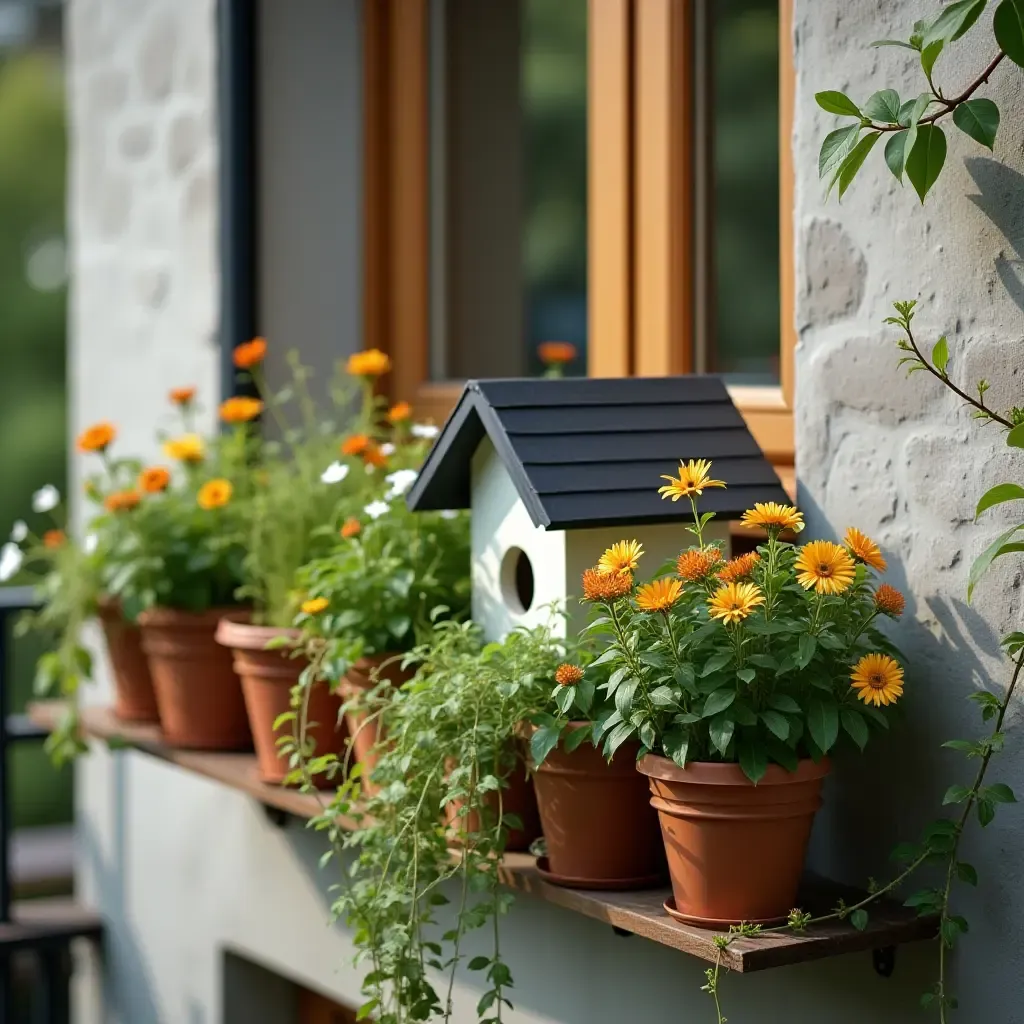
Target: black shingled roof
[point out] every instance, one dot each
(590, 452)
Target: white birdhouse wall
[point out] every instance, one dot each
(519, 569)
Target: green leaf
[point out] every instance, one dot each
(663, 697)
(675, 744)
(617, 737)
(783, 702)
(777, 723)
(954, 21)
(892, 42)
(479, 963)
(575, 739)
(986, 811)
(718, 701)
(543, 741)
(966, 873)
(998, 495)
(883, 106)
(926, 158)
(987, 557)
(940, 354)
(753, 761)
(836, 147)
(716, 662)
(852, 164)
(912, 110)
(979, 119)
(805, 650)
(930, 54)
(746, 674)
(367, 1008)
(999, 793)
(1015, 438)
(1008, 26)
(837, 103)
(859, 919)
(823, 723)
(855, 727)
(956, 795)
(720, 731)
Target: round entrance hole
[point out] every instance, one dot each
(517, 580)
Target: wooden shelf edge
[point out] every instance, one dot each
(639, 913)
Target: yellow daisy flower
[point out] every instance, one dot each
(314, 605)
(865, 549)
(620, 557)
(772, 515)
(825, 566)
(735, 601)
(693, 477)
(659, 595)
(878, 679)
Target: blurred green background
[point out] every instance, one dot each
(33, 301)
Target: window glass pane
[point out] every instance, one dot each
(508, 166)
(745, 228)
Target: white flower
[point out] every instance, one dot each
(387, 448)
(425, 430)
(46, 499)
(334, 473)
(10, 561)
(449, 513)
(376, 509)
(90, 543)
(401, 480)
(19, 531)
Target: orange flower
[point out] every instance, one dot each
(556, 353)
(154, 479)
(121, 501)
(889, 600)
(97, 438)
(315, 605)
(240, 409)
(187, 448)
(400, 412)
(373, 456)
(824, 566)
(568, 675)
(250, 353)
(864, 548)
(695, 564)
(355, 444)
(182, 396)
(371, 363)
(350, 528)
(53, 539)
(214, 494)
(772, 516)
(606, 586)
(738, 568)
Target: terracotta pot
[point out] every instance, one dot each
(357, 682)
(735, 850)
(267, 680)
(197, 691)
(599, 826)
(518, 798)
(134, 700)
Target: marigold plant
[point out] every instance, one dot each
(769, 657)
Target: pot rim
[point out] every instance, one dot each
(233, 631)
(161, 615)
(728, 773)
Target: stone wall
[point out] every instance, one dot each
(899, 457)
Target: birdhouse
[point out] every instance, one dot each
(554, 471)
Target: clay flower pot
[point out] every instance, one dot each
(735, 850)
(517, 798)
(197, 691)
(358, 681)
(267, 680)
(600, 828)
(134, 699)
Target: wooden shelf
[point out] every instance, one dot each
(639, 913)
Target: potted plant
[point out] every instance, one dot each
(439, 812)
(173, 563)
(738, 678)
(600, 830)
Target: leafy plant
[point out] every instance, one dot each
(432, 828)
(915, 141)
(767, 658)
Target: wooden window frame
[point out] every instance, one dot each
(640, 258)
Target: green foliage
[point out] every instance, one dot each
(431, 829)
